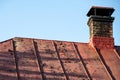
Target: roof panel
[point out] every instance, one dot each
(71, 61)
(36, 59)
(7, 61)
(113, 61)
(93, 62)
(26, 59)
(51, 67)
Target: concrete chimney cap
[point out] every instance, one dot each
(100, 11)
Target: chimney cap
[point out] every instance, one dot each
(100, 11)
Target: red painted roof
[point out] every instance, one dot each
(37, 59)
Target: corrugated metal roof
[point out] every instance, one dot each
(37, 59)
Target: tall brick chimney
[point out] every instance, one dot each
(101, 27)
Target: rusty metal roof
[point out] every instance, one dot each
(37, 59)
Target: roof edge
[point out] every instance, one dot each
(39, 39)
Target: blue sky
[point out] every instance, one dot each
(52, 19)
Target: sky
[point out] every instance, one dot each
(64, 20)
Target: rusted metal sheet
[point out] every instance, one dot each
(93, 62)
(112, 61)
(36, 59)
(52, 69)
(7, 61)
(26, 59)
(71, 61)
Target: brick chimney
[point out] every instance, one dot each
(101, 27)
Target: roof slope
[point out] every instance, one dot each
(36, 59)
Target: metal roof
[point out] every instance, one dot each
(37, 59)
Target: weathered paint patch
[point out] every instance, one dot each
(52, 69)
(26, 59)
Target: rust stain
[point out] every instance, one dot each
(36, 59)
(71, 61)
(50, 63)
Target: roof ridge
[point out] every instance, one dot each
(38, 39)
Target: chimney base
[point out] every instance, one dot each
(102, 42)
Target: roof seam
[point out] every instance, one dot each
(80, 59)
(16, 60)
(86, 70)
(38, 60)
(66, 75)
(105, 65)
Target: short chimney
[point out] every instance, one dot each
(101, 27)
